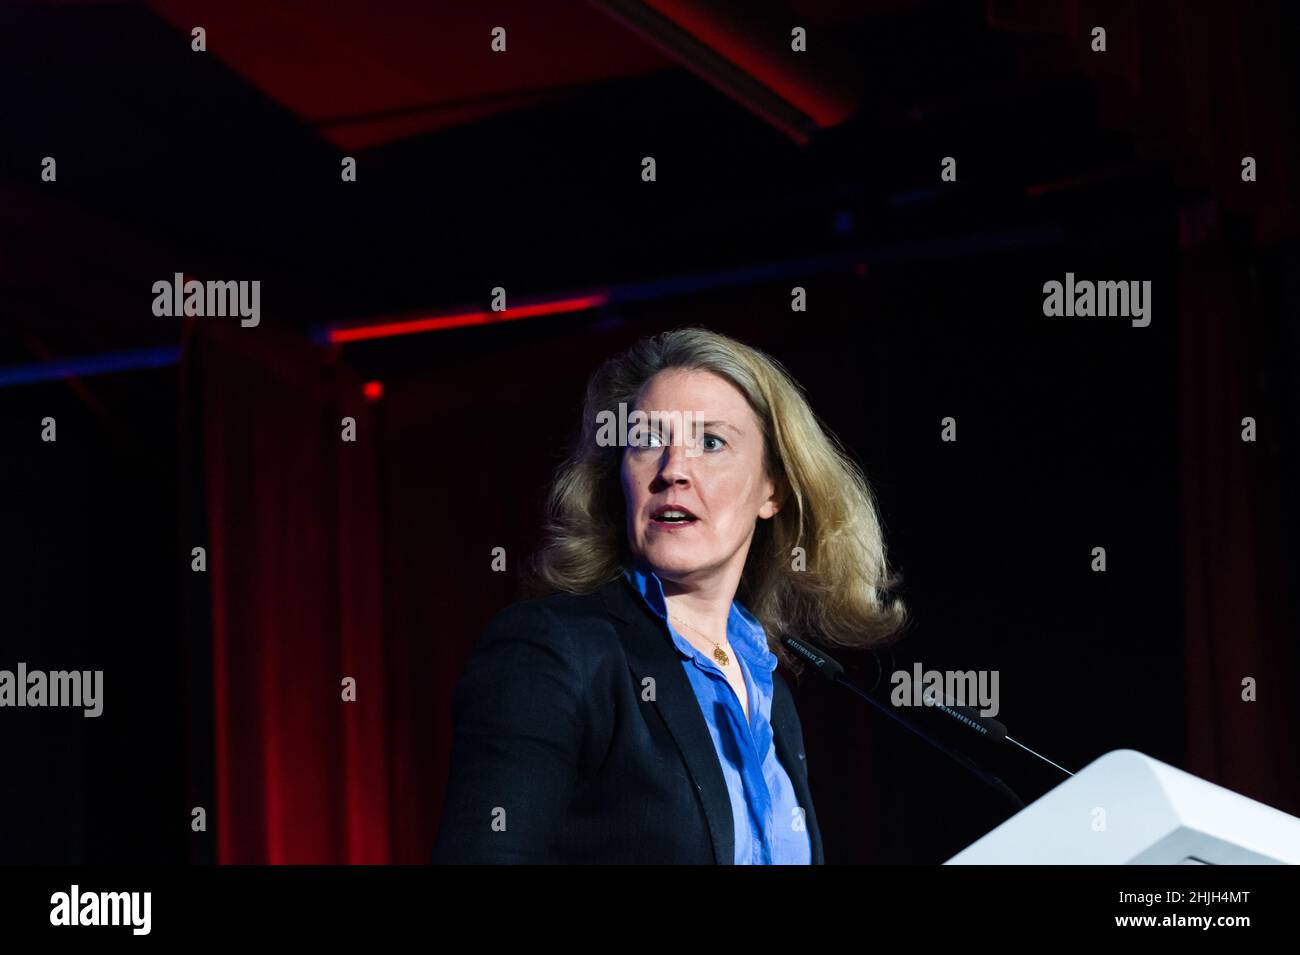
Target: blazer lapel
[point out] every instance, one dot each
(783, 734)
(650, 653)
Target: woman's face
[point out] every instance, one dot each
(716, 473)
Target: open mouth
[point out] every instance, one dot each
(673, 515)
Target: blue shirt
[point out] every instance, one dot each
(770, 826)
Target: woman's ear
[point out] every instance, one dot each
(780, 494)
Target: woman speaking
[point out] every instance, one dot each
(636, 713)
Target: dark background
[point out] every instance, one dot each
(475, 169)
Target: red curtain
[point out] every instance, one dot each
(369, 559)
(1234, 593)
(1197, 84)
(294, 564)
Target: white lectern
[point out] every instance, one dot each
(1127, 808)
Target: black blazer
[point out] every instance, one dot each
(555, 742)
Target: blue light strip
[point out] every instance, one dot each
(911, 250)
(630, 292)
(86, 365)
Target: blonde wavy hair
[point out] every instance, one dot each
(842, 596)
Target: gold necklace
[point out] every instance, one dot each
(719, 654)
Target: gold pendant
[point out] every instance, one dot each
(721, 656)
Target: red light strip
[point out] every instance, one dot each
(412, 326)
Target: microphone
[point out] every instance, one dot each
(991, 729)
(968, 716)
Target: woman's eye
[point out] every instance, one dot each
(651, 439)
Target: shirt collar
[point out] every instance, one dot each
(744, 632)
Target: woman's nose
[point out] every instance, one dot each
(674, 463)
